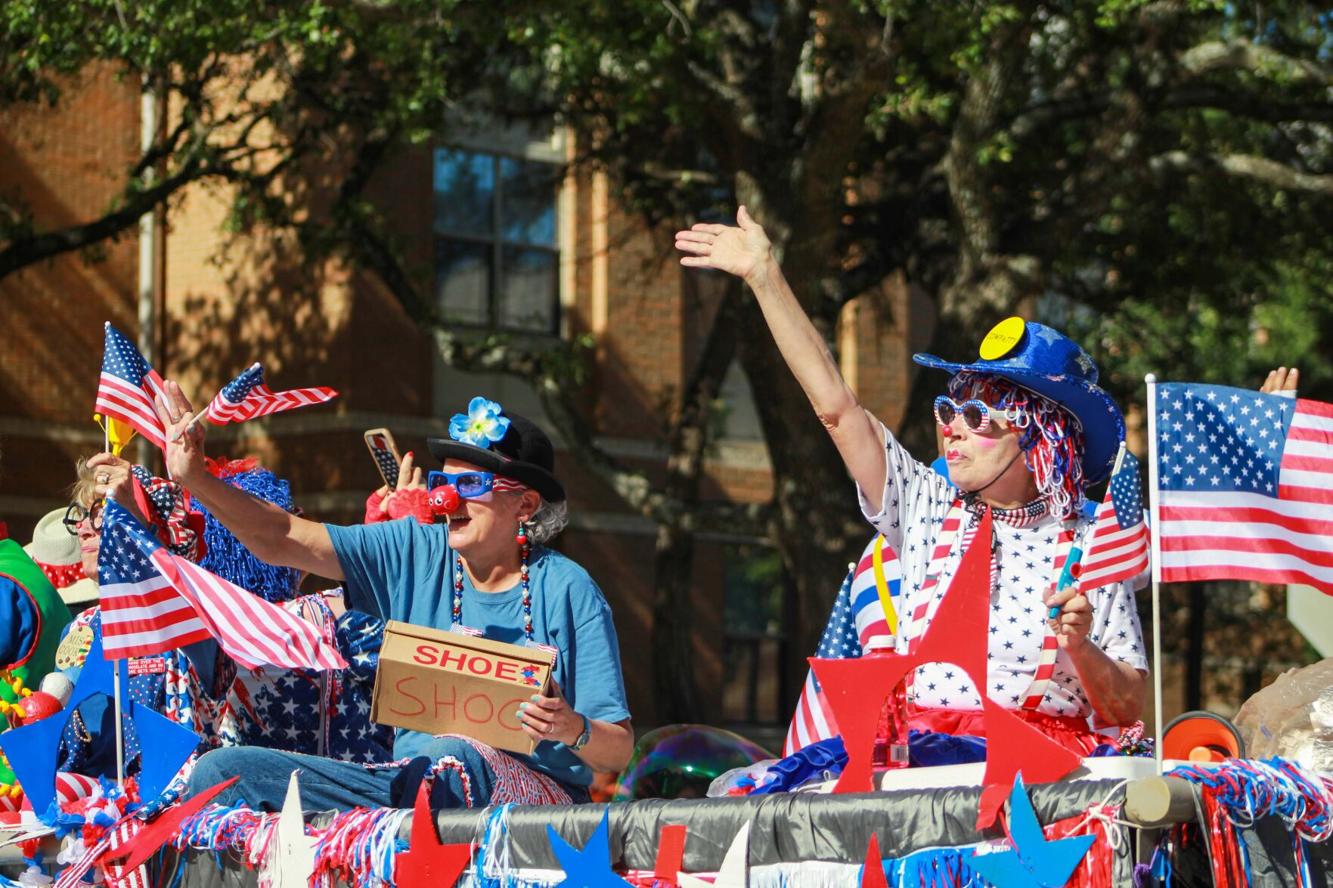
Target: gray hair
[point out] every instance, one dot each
(547, 521)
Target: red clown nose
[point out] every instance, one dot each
(444, 500)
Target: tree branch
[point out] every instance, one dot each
(1247, 56)
(1245, 166)
(27, 250)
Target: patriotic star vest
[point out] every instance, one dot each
(962, 520)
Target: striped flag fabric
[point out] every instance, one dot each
(247, 396)
(118, 836)
(128, 386)
(1244, 485)
(153, 601)
(1117, 549)
(859, 620)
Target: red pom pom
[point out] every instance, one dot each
(412, 501)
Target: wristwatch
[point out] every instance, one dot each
(583, 738)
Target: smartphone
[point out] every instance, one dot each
(385, 454)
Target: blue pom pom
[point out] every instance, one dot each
(227, 558)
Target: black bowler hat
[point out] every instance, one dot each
(504, 443)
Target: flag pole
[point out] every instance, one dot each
(185, 430)
(120, 727)
(1154, 541)
(115, 664)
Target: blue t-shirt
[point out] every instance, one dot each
(403, 570)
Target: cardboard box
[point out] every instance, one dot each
(440, 682)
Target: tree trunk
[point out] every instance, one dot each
(674, 681)
(816, 524)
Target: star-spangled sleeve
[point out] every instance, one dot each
(1115, 625)
(912, 491)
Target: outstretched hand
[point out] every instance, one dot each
(739, 249)
(1282, 380)
(185, 438)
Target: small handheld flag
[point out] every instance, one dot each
(1118, 545)
(127, 388)
(247, 396)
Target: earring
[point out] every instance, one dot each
(522, 537)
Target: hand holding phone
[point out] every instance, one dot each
(385, 453)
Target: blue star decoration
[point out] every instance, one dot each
(32, 749)
(1034, 860)
(591, 867)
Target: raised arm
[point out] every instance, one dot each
(270, 532)
(744, 250)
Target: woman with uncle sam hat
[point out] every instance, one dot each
(1025, 429)
(481, 564)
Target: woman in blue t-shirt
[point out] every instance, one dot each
(473, 557)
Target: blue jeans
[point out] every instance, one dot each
(327, 784)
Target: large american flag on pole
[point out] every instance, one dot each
(858, 617)
(1117, 549)
(127, 387)
(247, 396)
(153, 601)
(1245, 486)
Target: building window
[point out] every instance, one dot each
(497, 258)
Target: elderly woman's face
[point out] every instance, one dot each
(977, 458)
(487, 522)
(87, 526)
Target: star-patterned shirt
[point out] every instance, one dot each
(910, 513)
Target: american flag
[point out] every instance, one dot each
(117, 837)
(1118, 548)
(246, 397)
(128, 386)
(153, 601)
(858, 617)
(1245, 486)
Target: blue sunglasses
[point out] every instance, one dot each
(469, 485)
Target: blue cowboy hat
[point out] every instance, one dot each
(1052, 365)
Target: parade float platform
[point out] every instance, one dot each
(814, 838)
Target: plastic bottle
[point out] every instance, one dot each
(890, 749)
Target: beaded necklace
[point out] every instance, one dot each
(525, 549)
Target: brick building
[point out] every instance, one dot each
(511, 240)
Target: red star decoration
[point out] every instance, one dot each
(957, 635)
(1013, 745)
(427, 861)
(156, 834)
(670, 853)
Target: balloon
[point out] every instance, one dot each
(37, 706)
(679, 761)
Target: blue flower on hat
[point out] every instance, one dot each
(481, 426)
